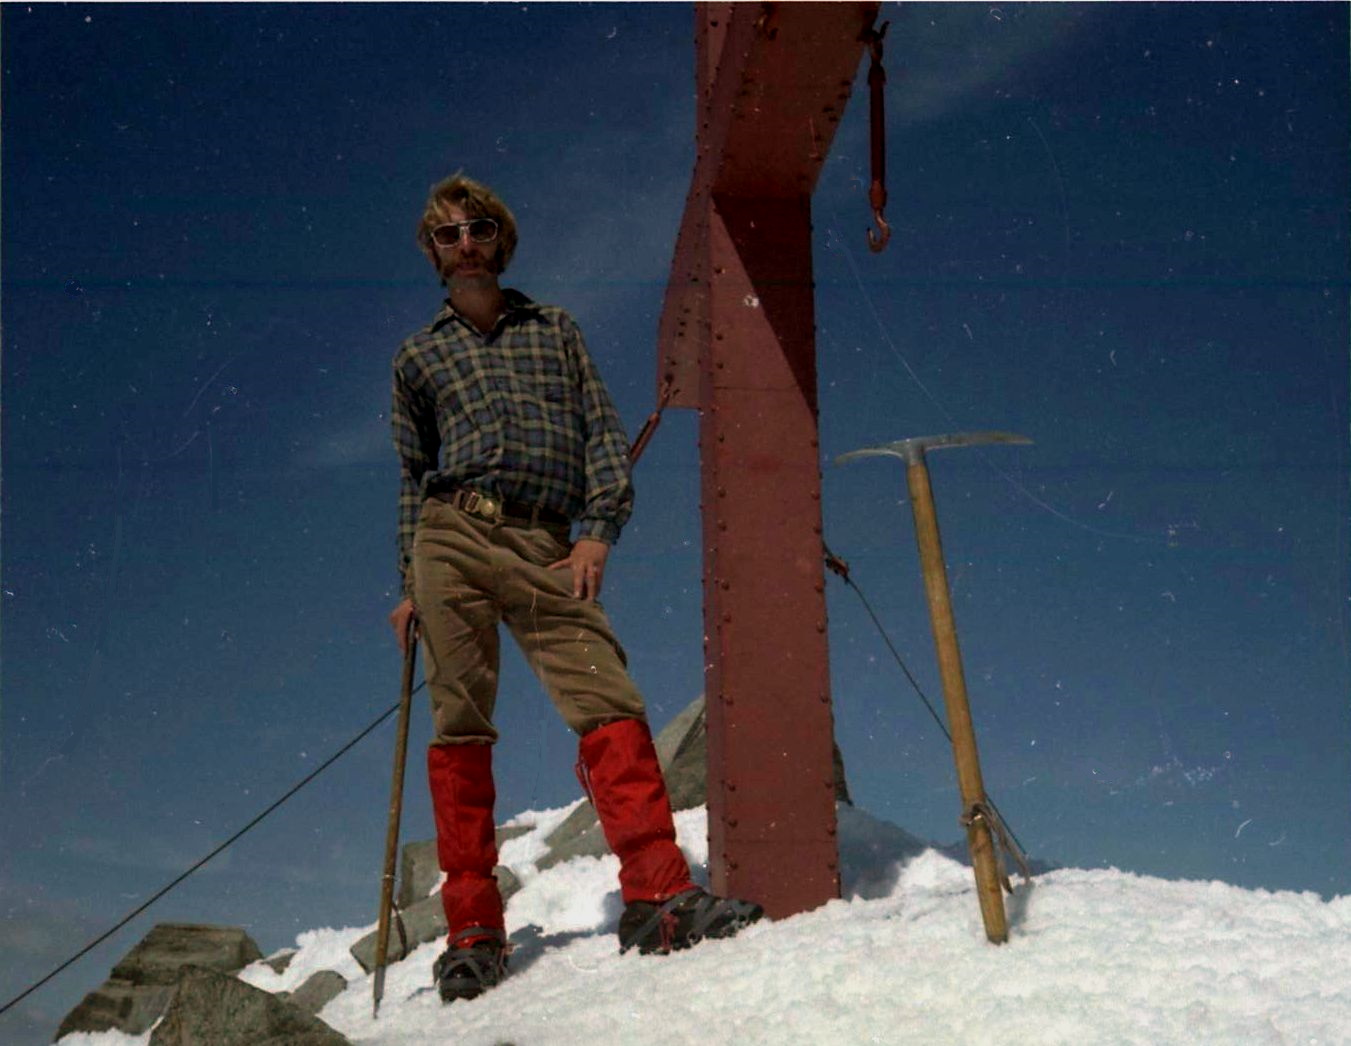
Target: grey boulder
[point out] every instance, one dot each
(215, 1008)
(142, 983)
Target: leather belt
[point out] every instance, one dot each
(495, 510)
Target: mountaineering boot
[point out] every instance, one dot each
(475, 961)
(682, 921)
(664, 910)
(461, 778)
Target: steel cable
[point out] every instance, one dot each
(839, 567)
(214, 853)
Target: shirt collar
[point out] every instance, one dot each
(512, 301)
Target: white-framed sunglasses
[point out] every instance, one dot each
(480, 230)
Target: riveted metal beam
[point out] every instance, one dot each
(737, 341)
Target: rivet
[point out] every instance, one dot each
(820, 626)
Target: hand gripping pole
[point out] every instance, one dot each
(979, 834)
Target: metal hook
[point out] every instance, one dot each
(877, 243)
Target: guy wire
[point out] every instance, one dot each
(841, 568)
(228, 842)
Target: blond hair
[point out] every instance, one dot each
(477, 201)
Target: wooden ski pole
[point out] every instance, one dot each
(395, 814)
(975, 805)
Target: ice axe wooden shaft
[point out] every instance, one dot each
(395, 815)
(979, 836)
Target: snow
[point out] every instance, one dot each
(1099, 956)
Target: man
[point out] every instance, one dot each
(506, 436)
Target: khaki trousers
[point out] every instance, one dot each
(469, 575)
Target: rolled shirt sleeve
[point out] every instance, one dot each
(608, 502)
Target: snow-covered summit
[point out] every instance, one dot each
(1095, 956)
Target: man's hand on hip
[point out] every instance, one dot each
(587, 561)
(399, 618)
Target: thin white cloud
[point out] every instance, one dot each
(364, 440)
(941, 56)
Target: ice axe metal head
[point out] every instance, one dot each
(911, 451)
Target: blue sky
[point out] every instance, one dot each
(1118, 229)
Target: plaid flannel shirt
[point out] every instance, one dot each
(520, 414)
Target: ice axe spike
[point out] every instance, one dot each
(979, 837)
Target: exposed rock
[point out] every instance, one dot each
(682, 750)
(117, 1006)
(213, 1008)
(579, 836)
(423, 921)
(279, 961)
(507, 883)
(418, 872)
(142, 983)
(576, 836)
(169, 946)
(317, 992)
(841, 785)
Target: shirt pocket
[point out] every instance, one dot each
(546, 387)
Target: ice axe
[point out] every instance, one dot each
(977, 816)
(395, 813)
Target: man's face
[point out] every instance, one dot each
(466, 263)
